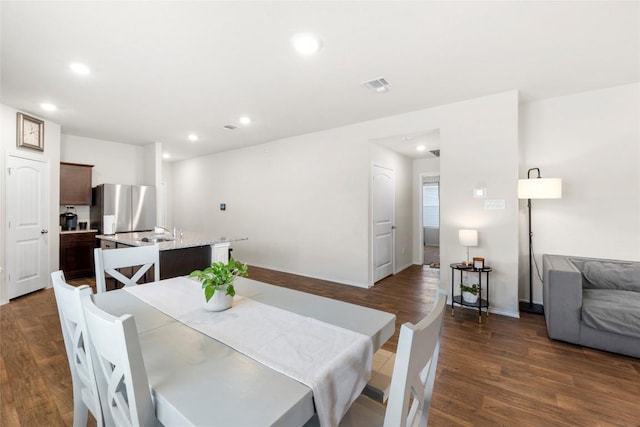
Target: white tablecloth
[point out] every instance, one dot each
(334, 362)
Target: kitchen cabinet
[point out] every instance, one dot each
(181, 262)
(76, 254)
(75, 184)
(173, 262)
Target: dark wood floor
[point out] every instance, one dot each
(503, 372)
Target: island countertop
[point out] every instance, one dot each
(187, 239)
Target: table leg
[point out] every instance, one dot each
(480, 296)
(453, 272)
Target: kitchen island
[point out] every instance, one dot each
(179, 255)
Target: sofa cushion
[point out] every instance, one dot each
(624, 276)
(613, 311)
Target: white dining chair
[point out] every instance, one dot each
(74, 333)
(110, 260)
(413, 377)
(120, 372)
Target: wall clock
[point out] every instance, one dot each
(30, 132)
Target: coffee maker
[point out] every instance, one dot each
(69, 219)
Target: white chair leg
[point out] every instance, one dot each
(80, 411)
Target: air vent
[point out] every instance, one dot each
(379, 85)
(435, 152)
(230, 127)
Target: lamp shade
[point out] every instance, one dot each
(540, 188)
(468, 237)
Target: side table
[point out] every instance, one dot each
(457, 299)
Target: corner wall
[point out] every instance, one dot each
(592, 141)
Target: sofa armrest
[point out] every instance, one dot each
(562, 297)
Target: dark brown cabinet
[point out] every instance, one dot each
(181, 262)
(76, 254)
(173, 262)
(75, 184)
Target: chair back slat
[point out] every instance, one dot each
(79, 355)
(415, 369)
(108, 261)
(121, 375)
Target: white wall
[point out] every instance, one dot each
(479, 144)
(592, 141)
(165, 213)
(51, 154)
(114, 162)
(304, 201)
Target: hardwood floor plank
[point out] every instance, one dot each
(503, 372)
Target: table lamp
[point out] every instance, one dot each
(468, 238)
(536, 188)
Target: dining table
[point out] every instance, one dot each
(198, 380)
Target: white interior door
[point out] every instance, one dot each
(27, 225)
(383, 196)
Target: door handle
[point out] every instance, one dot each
(43, 231)
(393, 227)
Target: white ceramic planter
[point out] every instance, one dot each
(219, 301)
(469, 297)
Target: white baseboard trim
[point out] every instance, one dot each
(404, 267)
(535, 302)
(329, 279)
(4, 301)
(498, 311)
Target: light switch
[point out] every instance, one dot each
(479, 193)
(492, 204)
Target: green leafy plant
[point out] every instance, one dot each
(473, 289)
(219, 276)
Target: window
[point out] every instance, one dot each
(431, 204)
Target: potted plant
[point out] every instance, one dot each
(470, 293)
(217, 282)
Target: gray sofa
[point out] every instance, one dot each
(593, 302)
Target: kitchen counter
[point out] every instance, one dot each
(78, 231)
(188, 239)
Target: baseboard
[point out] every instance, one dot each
(404, 267)
(297, 273)
(498, 311)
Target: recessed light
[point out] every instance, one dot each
(48, 107)
(421, 148)
(245, 120)
(306, 44)
(166, 156)
(79, 68)
(193, 137)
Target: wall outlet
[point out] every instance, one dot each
(492, 204)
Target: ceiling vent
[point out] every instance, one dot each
(435, 152)
(378, 85)
(230, 127)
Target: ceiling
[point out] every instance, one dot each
(163, 70)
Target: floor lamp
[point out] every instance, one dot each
(536, 188)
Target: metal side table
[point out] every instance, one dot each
(457, 299)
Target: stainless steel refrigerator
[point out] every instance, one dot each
(130, 207)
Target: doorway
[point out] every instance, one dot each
(431, 220)
(382, 213)
(27, 192)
